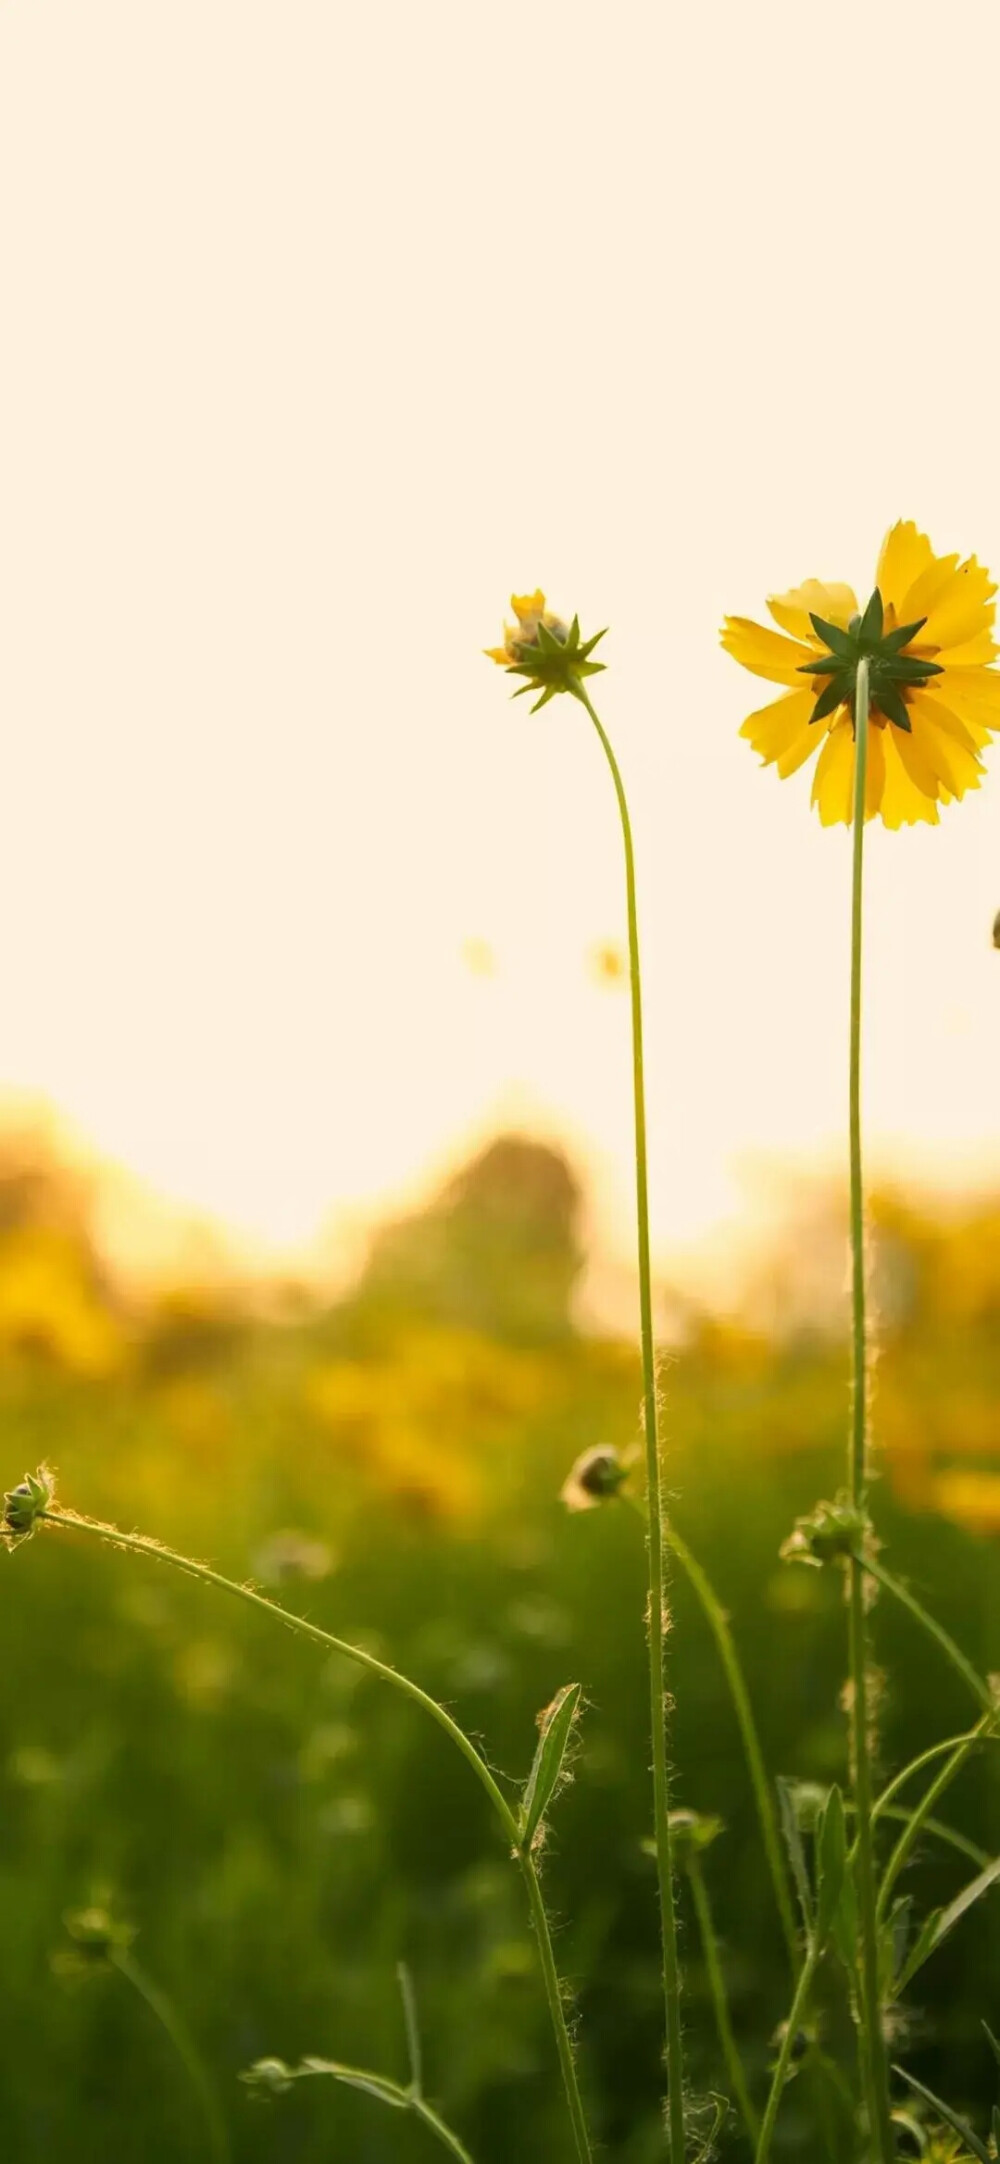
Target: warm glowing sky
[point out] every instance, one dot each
(323, 326)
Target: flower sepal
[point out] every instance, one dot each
(552, 662)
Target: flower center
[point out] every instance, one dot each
(892, 669)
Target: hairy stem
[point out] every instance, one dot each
(655, 1531)
(791, 2030)
(977, 1684)
(719, 1625)
(139, 1544)
(720, 2003)
(878, 2084)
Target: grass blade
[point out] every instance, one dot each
(556, 1728)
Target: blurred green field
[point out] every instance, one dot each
(282, 1831)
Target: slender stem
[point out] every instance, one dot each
(169, 2020)
(881, 2129)
(557, 2010)
(655, 1532)
(422, 2110)
(139, 1544)
(720, 2003)
(412, 2026)
(391, 2093)
(719, 1625)
(791, 2030)
(915, 1823)
(977, 1683)
(982, 1733)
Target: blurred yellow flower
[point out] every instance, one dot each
(549, 654)
(530, 611)
(935, 699)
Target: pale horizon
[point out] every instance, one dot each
(280, 436)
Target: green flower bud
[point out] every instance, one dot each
(831, 1533)
(25, 1504)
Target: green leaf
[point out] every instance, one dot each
(796, 1852)
(890, 703)
(996, 2128)
(905, 669)
(894, 641)
(893, 1943)
(556, 1728)
(831, 1864)
(839, 642)
(991, 2040)
(870, 627)
(829, 699)
(951, 2118)
(944, 1920)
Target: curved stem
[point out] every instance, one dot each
(915, 1822)
(557, 2009)
(170, 2022)
(780, 2076)
(139, 1544)
(422, 2110)
(719, 1625)
(720, 2003)
(976, 1683)
(982, 1733)
(655, 1531)
(881, 2129)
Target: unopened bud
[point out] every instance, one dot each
(25, 1504)
(595, 1478)
(831, 1533)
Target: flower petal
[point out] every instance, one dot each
(904, 554)
(976, 653)
(927, 588)
(963, 609)
(835, 603)
(903, 804)
(956, 768)
(833, 782)
(833, 786)
(764, 652)
(528, 607)
(773, 728)
(874, 772)
(974, 695)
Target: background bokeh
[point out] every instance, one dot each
(280, 1832)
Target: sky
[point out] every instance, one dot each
(326, 327)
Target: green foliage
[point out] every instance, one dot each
(280, 1831)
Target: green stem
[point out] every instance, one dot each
(557, 2009)
(780, 2076)
(881, 2128)
(390, 2092)
(719, 1625)
(717, 1987)
(976, 1683)
(139, 1544)
(423, 2110)
(982, 1733)
(655, 1531)
(170, 2022)
(915, 1822)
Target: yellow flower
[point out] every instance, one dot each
(546, 652)
(530, 611)
(935, 700)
